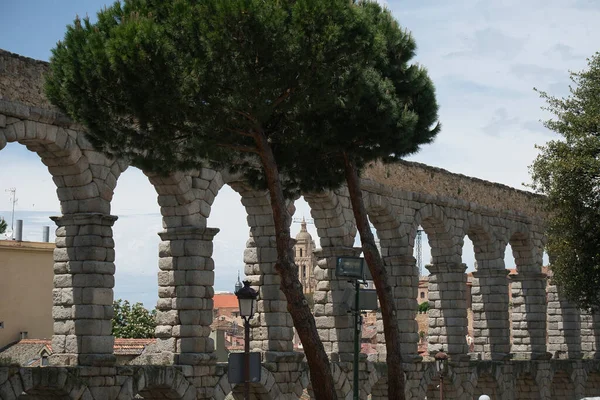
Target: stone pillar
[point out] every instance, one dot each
(185, 291)
(564, 325)
(272, 326)
(448, 309)
(334, 323)
(83, 296)
(491, 322)
(404, 278)
(529, 315)
(590, 334)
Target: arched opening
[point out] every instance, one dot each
(468, 258)
(230, 262)
(422, 255)
(562, 386)
(486, 384)
(35, 193)
(136, 240)
(303, 230)
(27, 269)
(592, 384)
(527, 388)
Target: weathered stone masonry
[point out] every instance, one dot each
(548, 350)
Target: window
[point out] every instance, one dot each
(300, 252)
(304, 271)
(422, 295)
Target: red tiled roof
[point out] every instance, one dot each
(131, 346)
(121, 346)
(225, 300)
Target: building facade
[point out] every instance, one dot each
(26, 303)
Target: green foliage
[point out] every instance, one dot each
(567, 171)
(423, 307)
(132, 321)
(3, 225)
(174, 85)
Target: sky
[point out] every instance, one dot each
(485, 57)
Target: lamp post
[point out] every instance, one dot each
(247, 302)
(441, 364)
(353, 269)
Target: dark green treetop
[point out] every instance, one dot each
(172, 85)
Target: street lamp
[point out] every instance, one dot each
(441, 365)
(353, 268)
(247, 303)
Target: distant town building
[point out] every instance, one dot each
(304, 256)
(225, 304)
(27, 270)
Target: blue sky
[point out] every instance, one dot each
(485, 57)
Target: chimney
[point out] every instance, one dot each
(19, 231)
(23, 335)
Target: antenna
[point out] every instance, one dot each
(420, 251)
(13, 195)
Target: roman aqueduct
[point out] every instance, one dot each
(543, 349)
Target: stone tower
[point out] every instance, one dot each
(305, 258)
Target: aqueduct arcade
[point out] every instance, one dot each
(530, 343)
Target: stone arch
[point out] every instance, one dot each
(374, 381)
(487, 249)
(444, 245)
(526, 387)
(70, 165)
(562, 386)
(385, 220)
(379, 389)
(524, 252)
(333, 217)
(431, 377)
(266, 389)
(44, 384)
(342, 383)
(154, 382)
(486, 383)
(592, 384)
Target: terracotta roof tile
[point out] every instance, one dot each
(225, 300)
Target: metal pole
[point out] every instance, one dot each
(246, 358)
(357, 329)
(441, 387)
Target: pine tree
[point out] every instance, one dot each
(258, 86)
(3, 225)
(385, 112)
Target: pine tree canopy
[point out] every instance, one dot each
(567, 171)
(181, 84)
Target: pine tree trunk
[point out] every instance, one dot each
(318, 362)
(380, 278)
